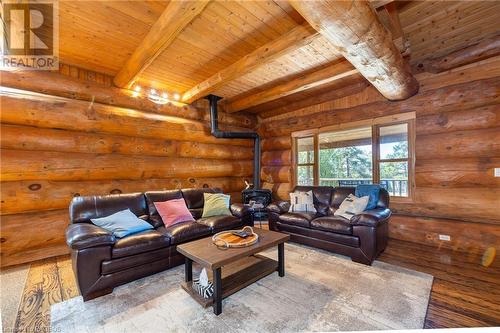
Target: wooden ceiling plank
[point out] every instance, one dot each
(294, 39)
(317, 99)
(320, 77)
(487, 48)
(362, 39)
(172, 21)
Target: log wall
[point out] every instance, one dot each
(457, 149)
(73, 134)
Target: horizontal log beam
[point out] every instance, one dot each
(302, 82)
(460, 144)
(294, 39)
(354, 28)
(487, 116)
(34, 138)
(176, 16)
(277, 143)
(64, 86)
(457, 173)
(465, 236)
(38, 195)
(467, 204)
(277, 158)
(276, 174)
(19, 108)
(460, 96)
(281, 191)
(485, 49)
(43, 239)
(75, 166)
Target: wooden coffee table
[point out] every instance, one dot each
(234, 268)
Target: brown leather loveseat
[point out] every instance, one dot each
(362, 238)
(101, 261)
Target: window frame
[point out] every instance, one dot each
(296, 163)
(375, 123)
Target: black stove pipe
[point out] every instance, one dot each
(214, 128)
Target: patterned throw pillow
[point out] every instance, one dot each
(351, 206)
(302, 202)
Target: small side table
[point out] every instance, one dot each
(258, 212)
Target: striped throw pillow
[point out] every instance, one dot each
(302, 202)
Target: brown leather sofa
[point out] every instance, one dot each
(101, 261)
(362, 238)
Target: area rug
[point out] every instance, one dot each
(320, 292)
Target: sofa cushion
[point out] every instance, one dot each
(84, 208)
(320, 235)
(185, 231)
(335, 224)
(138, 243)
(194, 196)
(301, 219)
(339, 194)
(119, 264)
(220, 222)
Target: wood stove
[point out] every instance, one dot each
(259, 197)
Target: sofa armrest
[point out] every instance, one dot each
(85, 235)
(279, 207)
(240, 210)
(372, 217)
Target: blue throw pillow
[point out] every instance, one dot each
(372, 191)
(122, 224)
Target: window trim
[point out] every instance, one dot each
(375, 123)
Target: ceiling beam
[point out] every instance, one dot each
(319, 98)
(354, 28)
(339, 70)
(389, 17)
(176, 16)
(379, 3)
(294, 39)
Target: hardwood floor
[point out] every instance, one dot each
(464, 293)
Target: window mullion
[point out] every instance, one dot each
(375, 155)
(316, 160)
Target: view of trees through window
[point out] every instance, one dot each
(345, 158)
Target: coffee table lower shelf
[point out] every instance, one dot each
(236, 276)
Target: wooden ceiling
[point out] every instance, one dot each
(103, 35)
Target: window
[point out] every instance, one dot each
(378, 152)
(393, 161)
(345, 157)
(305, 161)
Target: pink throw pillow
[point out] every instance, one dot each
(173, 211)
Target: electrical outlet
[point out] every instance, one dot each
(497, 172)
(445, 238)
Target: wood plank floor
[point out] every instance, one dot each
(464, 293)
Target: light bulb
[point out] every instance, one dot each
(153, 92)
(164, 95)
(137, 88)
(177, 96)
